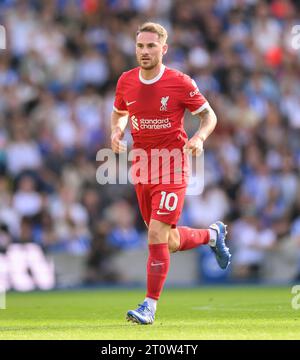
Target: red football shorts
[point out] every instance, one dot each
(163, 202)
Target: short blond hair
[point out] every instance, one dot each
(154, 28)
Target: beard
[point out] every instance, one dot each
(151, 64)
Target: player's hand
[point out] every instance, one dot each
(194, 146)
(117, 145)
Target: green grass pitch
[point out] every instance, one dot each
(183, 314)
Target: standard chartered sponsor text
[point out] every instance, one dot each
(155, 124)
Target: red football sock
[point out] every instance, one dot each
(157, 269)
(191, 238)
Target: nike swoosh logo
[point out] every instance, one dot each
(156, 264)
(130, 103)
(162, 213)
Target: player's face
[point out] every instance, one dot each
(149, 50)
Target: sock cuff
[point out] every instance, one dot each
(159, 251)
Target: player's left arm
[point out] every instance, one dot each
(208, 122)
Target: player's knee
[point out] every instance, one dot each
(153, 236)
(158, 232)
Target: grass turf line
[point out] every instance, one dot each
(183, 314)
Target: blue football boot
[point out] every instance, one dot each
(143, 315)
(221, 250)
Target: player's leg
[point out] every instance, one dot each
(165, 205)
(185, 238)
(158, 260)
(157, 270)
(142, 315)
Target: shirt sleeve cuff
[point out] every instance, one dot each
(201, 108)
(120, 111)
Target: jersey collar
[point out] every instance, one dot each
(154, 80)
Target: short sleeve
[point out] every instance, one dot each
(119, 103)
(192, 99)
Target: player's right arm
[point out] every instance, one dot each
(118, 125)
(119, 118)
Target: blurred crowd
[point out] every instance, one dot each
(57, 81)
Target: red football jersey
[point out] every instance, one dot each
(156, 107)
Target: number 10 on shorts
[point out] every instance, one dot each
(167, 200)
